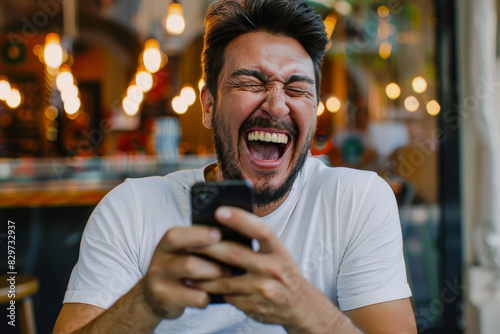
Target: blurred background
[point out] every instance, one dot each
(95, 91)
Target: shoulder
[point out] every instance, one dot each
(317, 175)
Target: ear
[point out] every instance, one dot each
(207, 104)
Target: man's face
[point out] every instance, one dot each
(265, 114)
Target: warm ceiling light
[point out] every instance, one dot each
(321, 109)
(71, 107)
(188, 94)
(4, 89)
(64, 78)
(135, 94)
(333, 104)
(14, 98)
(330, 22)
(411, 103)
(179, 105)
(383, 11)
(385, 50)
(144, 80)
(433, 107)
(174, 22)
(69, 93)
(393, 91)
(152, 56)
(53, 52)
(201, 84)
(419, 84)
(130, 107)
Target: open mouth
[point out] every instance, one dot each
(267, 146)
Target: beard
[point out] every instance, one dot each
(228, 158)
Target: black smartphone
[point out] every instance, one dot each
(206, 197)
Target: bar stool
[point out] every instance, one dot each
(25, 287)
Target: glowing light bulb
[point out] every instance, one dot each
(135, 94)
(433, 108)
(130, 107)
(333, 104)
(152, 56)
(188, 95)
(330, 23)
(201, 84)
(419, 84)
(321, 109)
(174, 22)
(179, 105)
(4, 89)
(53, 52)
(144, 80)
(385, 50)
(69, 93)
(393, 91)
(71, 107)
(14, 98)
(411, 103)
(383, 11)
(64, 78)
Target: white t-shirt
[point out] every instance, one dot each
(340, 225)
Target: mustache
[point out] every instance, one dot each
(268, 123)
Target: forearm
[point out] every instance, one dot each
(333, 321)
(319, 316)
(130, 314)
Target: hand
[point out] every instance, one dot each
(166, 286)
(273, 290)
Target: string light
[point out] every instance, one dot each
(135, 94)
(433, 107)
(393, 91)
(419, 84)
(152, 57)
(14, 99)
(321, 109)
(385, 50)
(333, 104)
(4, 89)
(188, 95)
(53, 53)
(144, 80)
(174, 22)
(64, 78)
(411, 103)
(179, 105)
(330, 23)
(201, 84)
(383, 11)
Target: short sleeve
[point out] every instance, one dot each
(372, 269)
(107, 267)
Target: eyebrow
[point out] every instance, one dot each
(259, 75)
(254, 73)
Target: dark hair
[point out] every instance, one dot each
(228, 19)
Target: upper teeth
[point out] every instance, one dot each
(280, 138)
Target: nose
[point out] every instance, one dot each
(275, 103)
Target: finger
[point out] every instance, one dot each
(250, 226)
(237, 255)
(175, 295)
(265, 288)
(181, 238)
(189, 267)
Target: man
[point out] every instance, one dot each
(329, 237)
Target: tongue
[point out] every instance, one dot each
(264, 152)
